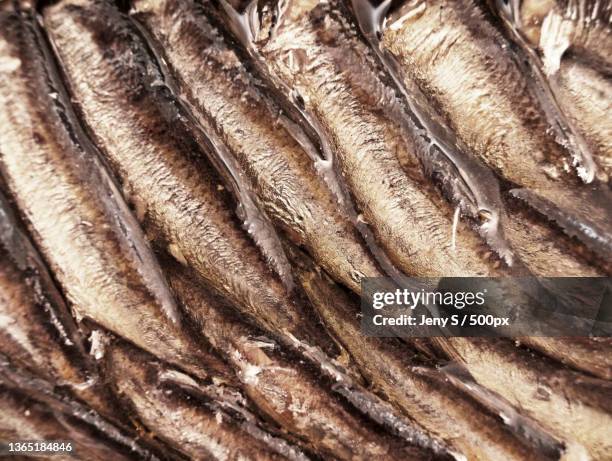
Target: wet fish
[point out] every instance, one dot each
(556, 398)
(285, 389)
(202, 421)
(506, 125)
(214, 84)
(305, 51)
(76, 215)
(178, 195)
(411, 383)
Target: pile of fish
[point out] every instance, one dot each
(193, 190)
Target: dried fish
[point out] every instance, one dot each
(215, 85)
(26, 419)
(398, 372)
(200, 421)
(33, 409)
(554, 397)
(36, 328)
(76, 215)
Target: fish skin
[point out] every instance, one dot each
(445, 412)
(181, 205)
(213, 81)
(37, 330)
(572, 406)
(26, 419)
(586, 97)
(286, 391)
(590, 355)
(78, 221)
(580, 85)
(364, 142)
(555, 27)
(504, 126)
(202, 425)
(77, 422)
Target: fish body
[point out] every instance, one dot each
(199, 421)
(282, 388)
(26, 419)
(443, 411)
(181, 201)
(38, 332)
(555, 397)
(557, 27)
(506, 124)
(311, 55)
(73, 209)
(213, 81)
(568, 41)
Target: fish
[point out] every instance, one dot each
(33, 409)
(213, 82)
(527, 234)
(284, 389)
(37, 329)
(26, 419)
(566, 42)
(303, 53)
(560, 27)
(200, 420)
(410, 381)
(73, 208)
(555, 397)
(181, 200)
(506, 125)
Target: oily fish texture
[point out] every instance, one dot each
(72, 226)
(214, 82)
(364, 145)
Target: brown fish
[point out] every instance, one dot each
(556, 27)
(574, 407)
(26, 419)
(415, 386)
(76, 215)
(33, 409)
(175, 191)
(200, 421)
(311, 57)
(36, 329)
(491, 105)
(213, 83)
(285, 390)
(566, 41)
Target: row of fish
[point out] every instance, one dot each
(207, 183)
